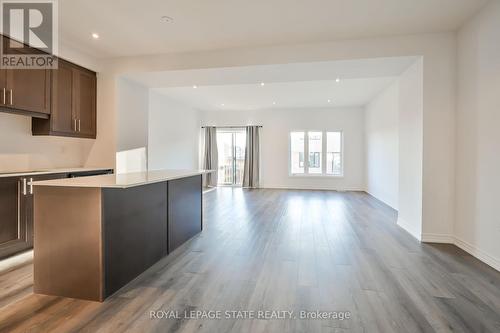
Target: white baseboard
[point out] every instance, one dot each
(467, 247)
(438, 238)
(310, 188)
(408, 228)
(479, 254)
(15, 261)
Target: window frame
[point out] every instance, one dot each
(341, 154)
(324, 153)
(306, 165)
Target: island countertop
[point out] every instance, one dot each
(48, 171)
(125, 180)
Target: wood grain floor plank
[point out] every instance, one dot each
(293, 250)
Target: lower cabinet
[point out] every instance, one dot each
(16, 211)
(117, 234)
(13, 233)
(184, 210)
(134, 224)
(143, 224)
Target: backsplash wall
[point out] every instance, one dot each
(20, 151)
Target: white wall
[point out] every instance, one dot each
(21, 151)
(438, 51)
(382, 146)
(411, 152)
(477, 227)
(277, 125)
(173, 134)
(169, 130)
(78, 56)
(394, 133)
(131, 160)
(132, 119)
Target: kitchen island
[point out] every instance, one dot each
(93, 235)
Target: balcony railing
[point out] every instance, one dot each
(226, 172)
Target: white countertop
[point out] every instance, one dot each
(48, 171)
(122, 180)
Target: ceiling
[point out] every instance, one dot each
(297, 85)
(131, 27)
(294, 72)
(301, 94)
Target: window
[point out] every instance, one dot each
(334, 153)
(231, 147)
(297, 149)
(311, 144)
(314, 160)
(315, 148)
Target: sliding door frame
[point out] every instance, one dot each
(234, 131)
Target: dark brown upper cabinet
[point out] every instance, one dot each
(85, 101)
(61, 102)
(62, 119)
(73, 103)
(25, 91)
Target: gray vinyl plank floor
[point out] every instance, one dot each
(276, 251)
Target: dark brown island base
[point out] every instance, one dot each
(94, 235)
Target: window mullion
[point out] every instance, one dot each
(306, 153)
(323, 152)
(341, 153)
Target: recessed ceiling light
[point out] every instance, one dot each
(166, 19)
(95, 35)
(274, 103)
(329, 101)
(262, 84)
(337, 80)
(195, 86)
(222, 104)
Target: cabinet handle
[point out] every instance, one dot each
(24, 186)
(31, 186)
(79, 125)
(11, 97)
(4, 99)
(75, 125)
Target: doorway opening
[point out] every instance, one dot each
(231, 143)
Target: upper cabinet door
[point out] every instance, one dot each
(3, 88)
(85, 102)
(3, 79)
(63, 120)
(73, 103)
(27, 90)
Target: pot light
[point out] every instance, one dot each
(262, 84)
(222, 104)
(337, 80)
(274, 103)
(95, 35)
(329, 101)
(166, 19)
(195, 86)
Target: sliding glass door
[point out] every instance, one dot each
(231, 144)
